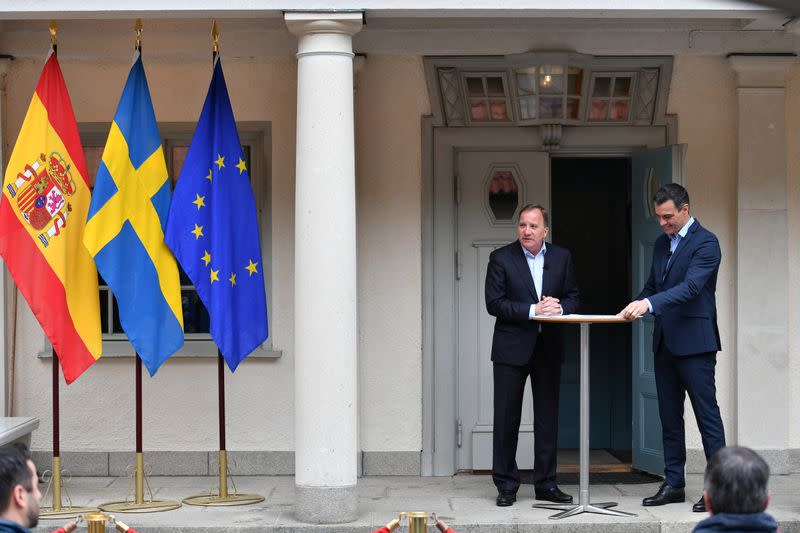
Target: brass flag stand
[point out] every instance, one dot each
(58, 511)
(139, 503)
(223, 497)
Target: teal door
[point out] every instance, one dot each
(650, 170)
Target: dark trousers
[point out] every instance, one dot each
(675, 377)
(509, 388)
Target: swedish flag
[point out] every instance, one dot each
(125, 226)
(213, 229)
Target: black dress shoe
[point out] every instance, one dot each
(700, 507)
(554, 495)
(506, 499)
(665, 495)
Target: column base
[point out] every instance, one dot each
(326, 505)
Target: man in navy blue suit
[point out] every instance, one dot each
(681, 294)
(524, 279)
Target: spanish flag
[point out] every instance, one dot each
(46, 197)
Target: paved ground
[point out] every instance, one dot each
(466, 502)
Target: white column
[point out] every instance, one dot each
(762, 333)
(4, 277)
(326, 336)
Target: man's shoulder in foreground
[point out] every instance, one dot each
(733, 523)
(7, 526)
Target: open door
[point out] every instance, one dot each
(650, 170)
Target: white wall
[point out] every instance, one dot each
(702, 95)
(390, 99)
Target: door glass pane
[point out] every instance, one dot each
(622, 87)
(499, 111)
(599, 110)
(503, 195)
(551, 80)
(551, 107)
(573, 107)
(527, 107)
(602, 87)
(475, 87)
(495, 86)
(619, 110)
(574, 81)
(526, 80)
(478, 110)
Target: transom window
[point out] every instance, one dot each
(549, 91)
(487, 97)
(611, 97)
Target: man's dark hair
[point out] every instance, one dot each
(736, 481)
(674, 192)
(14, 470)
(531, 207)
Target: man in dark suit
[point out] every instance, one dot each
(681, 294)
(524, 279)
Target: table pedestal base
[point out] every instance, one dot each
(570, 509)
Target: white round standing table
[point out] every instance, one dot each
(584, 505)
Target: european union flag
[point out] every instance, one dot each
(213, 229)
(125, 226)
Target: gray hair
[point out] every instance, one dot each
(736, 481)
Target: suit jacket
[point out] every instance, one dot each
(683, 298)
(510, 292)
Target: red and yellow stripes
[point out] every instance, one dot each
(58, 279)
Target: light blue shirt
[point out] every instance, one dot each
(536, 266)
(674, 241)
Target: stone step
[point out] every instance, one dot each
(466, 502)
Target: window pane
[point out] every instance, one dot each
(526, 80)
(178, 157)
(498, 108)
(573, 107)
(104, 310)
(551, 107)
(195, 316)
(185, 280)
(551, 80)
(622, 87)
(599, 110)
(527, 107)
(619, 110)
(475, 87)
(574, 81)
(117, 323)
(602, 87)
(503, 195)
(495, 86)
(94, 154)
(478, 110)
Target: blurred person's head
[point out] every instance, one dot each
(736, 482)
(19, 486)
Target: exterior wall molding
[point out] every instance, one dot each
(205, 463)
(761, 70)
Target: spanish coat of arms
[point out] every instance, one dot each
(41, 192)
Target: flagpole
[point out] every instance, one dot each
(139, 503)
(57, 511)
(223, 497)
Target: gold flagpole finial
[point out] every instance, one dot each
(214, 37)
(138, 29)
(53, 32)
